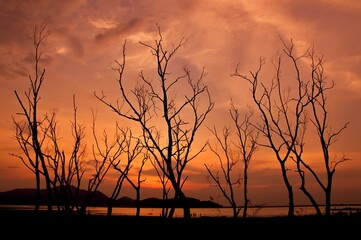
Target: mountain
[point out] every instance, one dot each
(159, 203)
(26, 196)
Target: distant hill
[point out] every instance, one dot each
(26, 196)
(159, 203)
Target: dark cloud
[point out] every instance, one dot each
(11, 72)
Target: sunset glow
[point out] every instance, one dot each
(87, 36)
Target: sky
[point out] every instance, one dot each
(87, 36)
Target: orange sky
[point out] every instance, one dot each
(86, 36)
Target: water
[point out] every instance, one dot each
(226, 212)
(264, 211)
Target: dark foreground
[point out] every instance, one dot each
(16, 224)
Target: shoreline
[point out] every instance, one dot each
(255, 211)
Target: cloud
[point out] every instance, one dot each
(104, 24)
(123, 30)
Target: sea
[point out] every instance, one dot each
(263, 211)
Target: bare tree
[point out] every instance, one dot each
(244, 146)
(28, 133)
(283, 119)
(156, 109)
(137, 184)
(165, 188)
(131, 147)
(104, 152)
(320, 120)
(247, 138)
(227, 162)
(67, 172)
(284, 115)
(38, 140)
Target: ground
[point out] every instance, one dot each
(19, 224)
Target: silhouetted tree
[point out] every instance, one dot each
(247, 138)
(282, 115)
(320, 120)
(230, 157)
(31, 132)
(67, 171)
(104, 152)
(165, 188)
(38, 140)
(284, 118)
(227, 162)
(155, 107)
(131, 147)
(137, 184)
